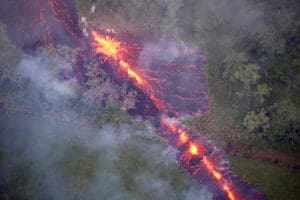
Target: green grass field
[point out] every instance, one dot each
(277, 182)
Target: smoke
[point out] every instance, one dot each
(64, 161)
(85, 23)
(164, 49)
(37, 70)
(195, 193)
(46, 159)
(93, 8)
(177, 69)
(216, 26)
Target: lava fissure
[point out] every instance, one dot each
(168, 86)
(170, 94)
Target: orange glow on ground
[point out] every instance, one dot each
(228, 191)
(106, 45)
(130, 72)
(169, 124)
(210, 167)
(183, 138)
(193, 149)
(111, 48)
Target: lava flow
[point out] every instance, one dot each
(167, 77)
(166, 89)
(175, 96)
(37, 23)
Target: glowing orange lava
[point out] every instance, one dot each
(112, 49)
(193, 149)
(126, 67)
(183, 138)
(228, 191)
(210, 166)
(106, 45)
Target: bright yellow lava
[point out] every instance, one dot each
(228, 191)
(106, 45)
(125, 66)
(112, 48)
(193, 149)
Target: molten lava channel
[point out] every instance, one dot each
(173, 94)
(112, 50)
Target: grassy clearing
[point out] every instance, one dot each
(277, 182)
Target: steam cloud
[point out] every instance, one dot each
(24, 138)
(42, 147)
(67, 161)
(164, 49)
(35, 69)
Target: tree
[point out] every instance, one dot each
(284, 122)
(257, 122)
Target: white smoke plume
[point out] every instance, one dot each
(45, 78)
(74, 162)
(93, 8)
(85, 23)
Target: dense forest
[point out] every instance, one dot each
(252, 69)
